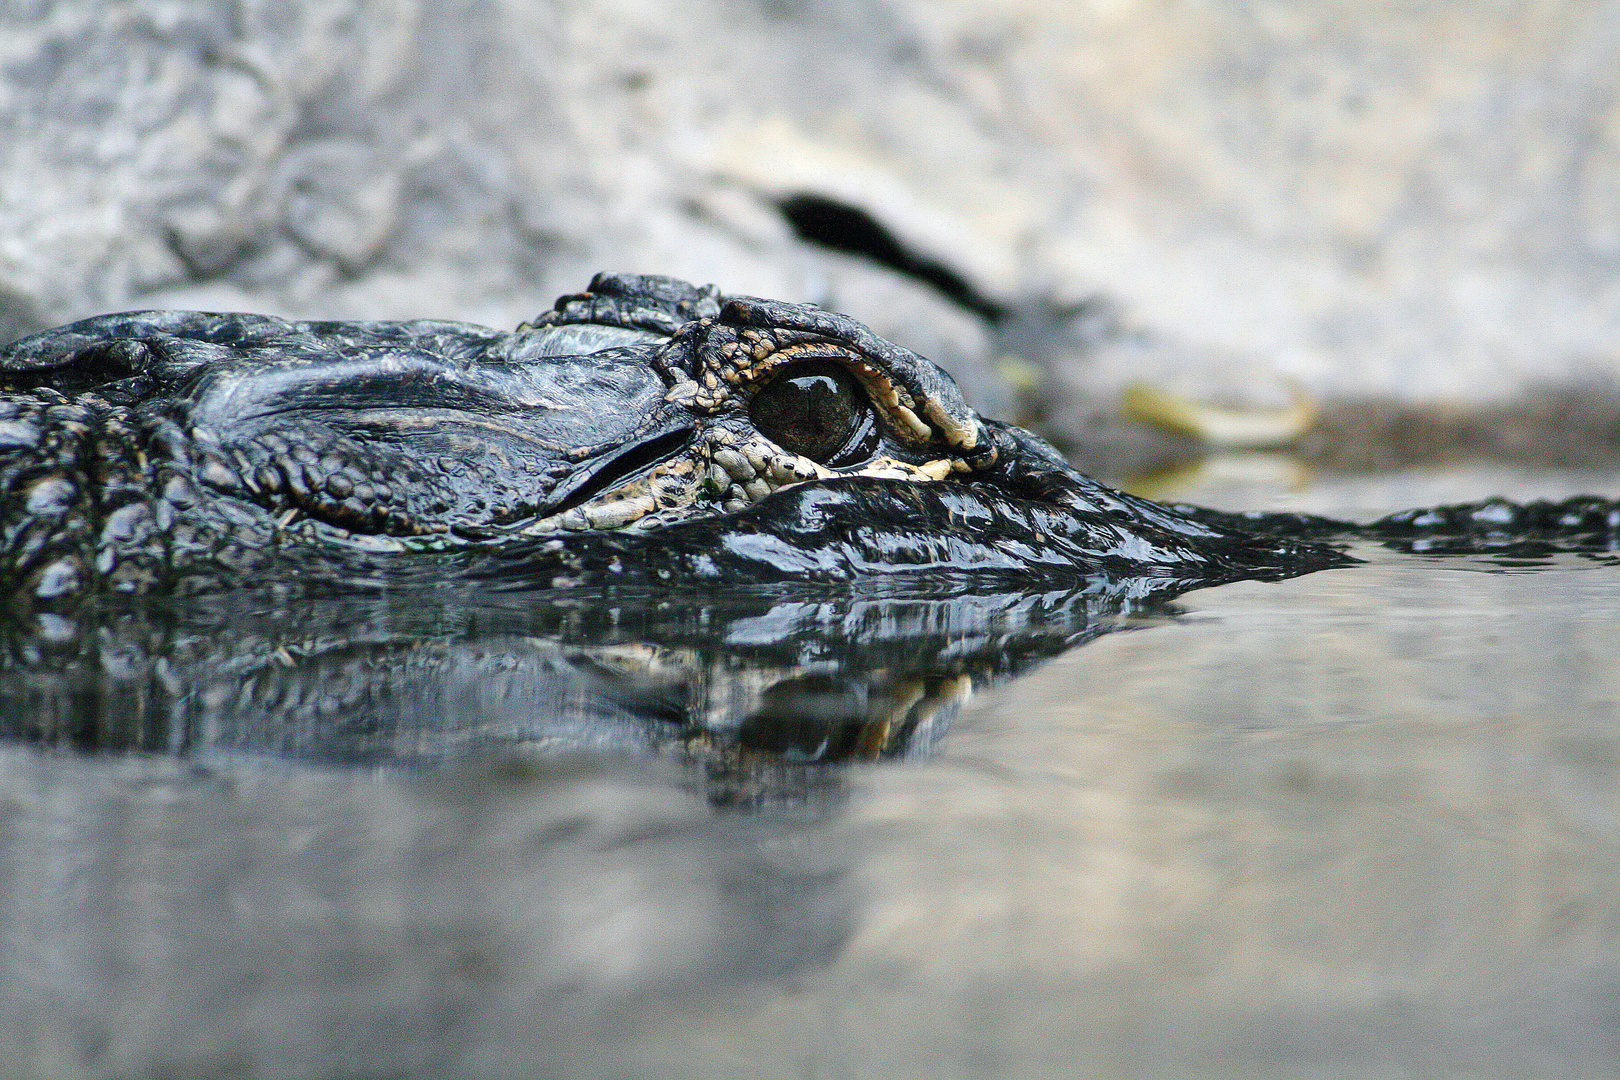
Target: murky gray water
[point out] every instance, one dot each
(1364, 823)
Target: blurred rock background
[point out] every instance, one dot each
(1410, 210)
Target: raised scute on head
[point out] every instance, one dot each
(634, 301)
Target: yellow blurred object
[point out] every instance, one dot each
(1219, 425)
(1226, 478)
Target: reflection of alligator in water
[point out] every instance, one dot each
(761, 689)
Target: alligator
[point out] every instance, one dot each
(643, 432)
(210, 521)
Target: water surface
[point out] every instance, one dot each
(1362, 823)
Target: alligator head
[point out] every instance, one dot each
(643, 430)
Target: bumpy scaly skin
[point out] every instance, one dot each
(611, 440)
(171, 449)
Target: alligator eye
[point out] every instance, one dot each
(818, 411)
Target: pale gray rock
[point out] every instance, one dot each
(1414, 204)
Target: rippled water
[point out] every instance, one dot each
(1362, 823)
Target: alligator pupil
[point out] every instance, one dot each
(815, 411)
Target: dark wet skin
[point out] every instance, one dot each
(642, 431)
